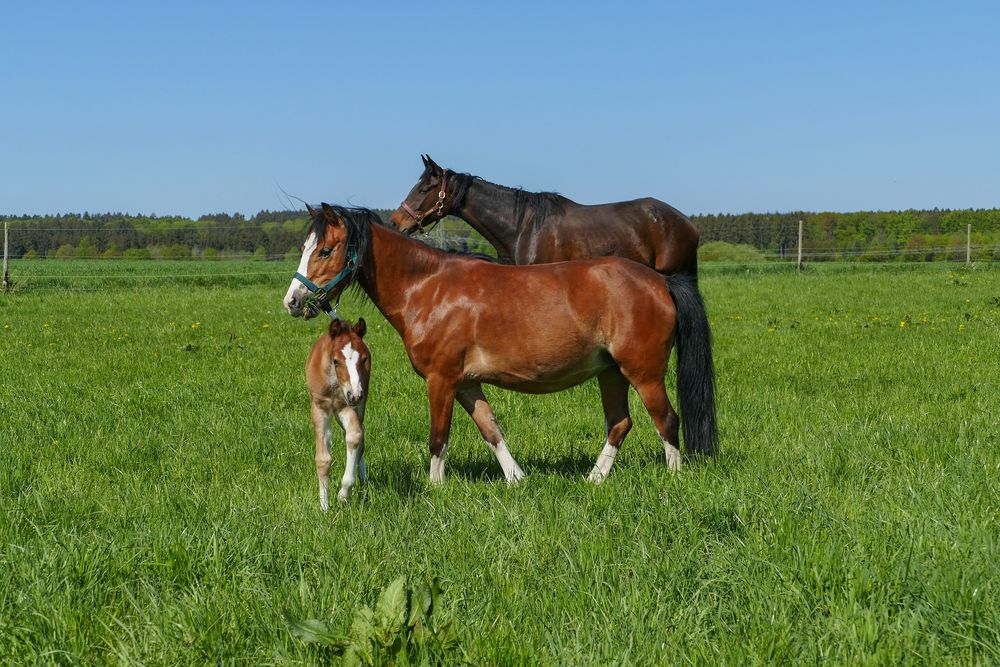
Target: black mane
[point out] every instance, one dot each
(538, 204)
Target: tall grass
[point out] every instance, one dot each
(159, 504)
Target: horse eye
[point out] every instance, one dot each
(325, 252)
(425, 189)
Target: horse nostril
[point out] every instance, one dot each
(293, 302)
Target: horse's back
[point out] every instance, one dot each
(647, 230)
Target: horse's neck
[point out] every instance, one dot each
(395, 262)
(489, 209)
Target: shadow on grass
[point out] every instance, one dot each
(407, 481)
(575, 463)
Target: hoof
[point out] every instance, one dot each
(515, 477)
(596, 476)
(673, 456)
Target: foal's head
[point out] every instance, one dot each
(436, 194)
(335, 245)
(351, 361)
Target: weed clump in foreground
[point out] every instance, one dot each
(400, 630)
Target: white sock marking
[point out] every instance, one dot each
(673, 456)
(511, 471)
(437, 466)
(352, 439)
(604, 462)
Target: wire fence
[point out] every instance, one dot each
(91, 272)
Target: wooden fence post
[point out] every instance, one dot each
(6, 276)
(798, 263)
(968, 245)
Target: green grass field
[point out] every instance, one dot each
(159, 502)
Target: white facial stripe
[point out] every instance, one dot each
(351, 357)
(307, 252)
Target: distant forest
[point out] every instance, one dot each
(883, 235)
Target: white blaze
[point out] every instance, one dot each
(296, 285)
(351, 357)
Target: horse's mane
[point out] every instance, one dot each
(538, 204)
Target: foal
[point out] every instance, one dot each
(337, 374)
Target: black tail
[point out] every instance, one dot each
(695, 373)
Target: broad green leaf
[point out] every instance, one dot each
(362, 627)
(420, 605)
(391, 608)
(311, 630)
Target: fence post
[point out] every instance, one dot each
(798, 263)
(968, 245)
(6, 276)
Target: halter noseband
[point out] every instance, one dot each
(323, 293)
(435, 208)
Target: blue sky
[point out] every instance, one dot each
(197, 107)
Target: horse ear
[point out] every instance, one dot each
(424, 158)
(331, 216)
(433, 165)
(337, 327)
(312, 212)
(361, 327)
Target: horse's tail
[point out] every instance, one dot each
(695, 373)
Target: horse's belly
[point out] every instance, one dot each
(532, 376)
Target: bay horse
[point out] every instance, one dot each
(541, 227)
(337, 374)
(532, 329)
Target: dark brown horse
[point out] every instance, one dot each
(540, 227)
(534, 329)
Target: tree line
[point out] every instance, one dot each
(909, 235)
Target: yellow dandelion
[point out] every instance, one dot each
(266, 325)
(196, 325)
(45, 325)
(902, 324)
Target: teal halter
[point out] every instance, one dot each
(323, 293)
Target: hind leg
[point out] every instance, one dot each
(617, 422)
(654, 397)
(474, 402)
(441, 396)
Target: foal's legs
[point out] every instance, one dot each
(617, 422)
(354, 438)
(321, 425)
(474, 402)
(441, 395)
(654, 397)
